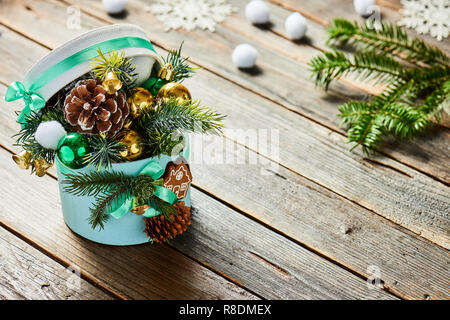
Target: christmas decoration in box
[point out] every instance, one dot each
(114, 118)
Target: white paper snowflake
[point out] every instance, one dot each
(427, 16)
(191, 14)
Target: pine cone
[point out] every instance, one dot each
(160, 229)
(90, 109)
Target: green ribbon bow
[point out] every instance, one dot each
(154, 170)
(33, 101)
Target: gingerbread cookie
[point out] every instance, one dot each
(177, 178)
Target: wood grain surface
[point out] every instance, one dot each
(26, 273)
(331, 215)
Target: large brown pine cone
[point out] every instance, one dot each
(90, 109)
(160, 229)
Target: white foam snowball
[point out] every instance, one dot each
(295, 26)
(364, 7)
(114, 6)
(244, 56)
(49, 133)
(257, 12)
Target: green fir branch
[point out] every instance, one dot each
(367, 66)
(115, 62)
(414, 95)
(103, 152)
(103, 204)
(164, 142)
(166, 209)
(95, 182)
(386, 38)
(34, 119)
(186, 116)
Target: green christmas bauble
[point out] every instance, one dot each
(154, 84)
(71, 150)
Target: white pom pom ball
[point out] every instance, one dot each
(295, 26)
(49, 133)
(244, 56)
(364, 7)
(114, 6)
(257, 12)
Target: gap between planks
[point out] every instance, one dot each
(287, 168)
(91, 279)
(396, 225)
(66, 264)
(204, 264)
(259, 93)
(334, 192)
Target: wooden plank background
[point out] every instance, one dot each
(313, 230)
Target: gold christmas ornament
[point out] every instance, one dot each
(133, 144)
(140, 101)
(140, 210)
(111, 84)
(166, 73)
(173, 90)
(41, 167)
(23, 159)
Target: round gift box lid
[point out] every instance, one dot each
(143, 58)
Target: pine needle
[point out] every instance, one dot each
(185, 116)
(414, 94)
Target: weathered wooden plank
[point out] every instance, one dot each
(213, 51)
(139, 272)
(235, 240)
(306, 148)
(428, 153)
(319, 106)
(266, 262)
(26, 273)
(320, 12)
(285, 218)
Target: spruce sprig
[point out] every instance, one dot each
(25, 137)
(115, 62)
(180, 65)
(111, 189)
(416, 78)
(164, 142)
(94, 183)
(366, 65)
(188, 115)
(384, 37)
(34, 119)
(103, 151)
(104, 203)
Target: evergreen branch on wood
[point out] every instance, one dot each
(386, 38)
(366, 66)
(414, 94)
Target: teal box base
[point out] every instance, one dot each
(128, 230)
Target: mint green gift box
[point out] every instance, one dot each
(60, 67)
(129, 229)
